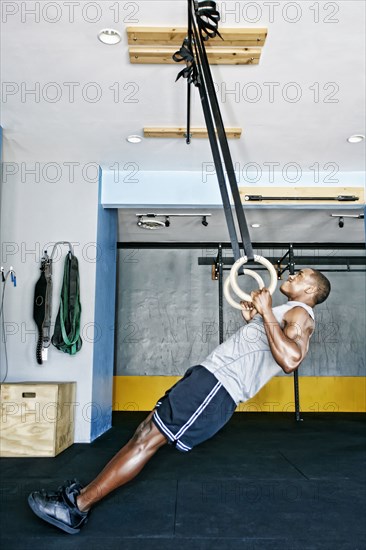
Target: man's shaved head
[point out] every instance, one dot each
(323, 285)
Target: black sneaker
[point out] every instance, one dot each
(59, 507)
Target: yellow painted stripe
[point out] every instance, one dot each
(317, 394)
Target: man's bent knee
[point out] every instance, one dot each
(148, 437)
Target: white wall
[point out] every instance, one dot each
(35, 215)
(187, 189)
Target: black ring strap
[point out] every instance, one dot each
(215, 126)
(224, 146)
(190, 71)
(207, 18)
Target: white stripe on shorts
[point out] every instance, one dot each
(199, 411)
(183, 447)
(166, 430)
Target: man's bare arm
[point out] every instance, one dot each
(290, 345)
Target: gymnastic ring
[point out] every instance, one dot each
(243, 260)
(227, 285)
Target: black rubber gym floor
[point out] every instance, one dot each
(263, 482)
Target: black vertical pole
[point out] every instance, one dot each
(221, 309)
(188, 134)
(291, 268)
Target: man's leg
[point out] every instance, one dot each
(67, 508)
(125, 465)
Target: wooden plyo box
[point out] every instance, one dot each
(37, 418)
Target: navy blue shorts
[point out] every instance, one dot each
(194, 409)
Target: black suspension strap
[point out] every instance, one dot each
(42, 307)
(207, 19)
(224, 146)
(219, 168)
(39, 309)
(190, 71)
(203, 25)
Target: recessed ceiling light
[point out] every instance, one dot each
(356, 138)
(134, 139)
(255, 225)
(109, 36)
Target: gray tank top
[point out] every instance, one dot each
(244, 363)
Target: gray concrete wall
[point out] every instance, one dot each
(167, 316)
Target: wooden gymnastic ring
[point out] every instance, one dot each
(227, 286)
(234, 271)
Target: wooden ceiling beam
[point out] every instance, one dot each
(180, 132)
(174, 36)
(216, 56)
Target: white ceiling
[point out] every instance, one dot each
(329, 55)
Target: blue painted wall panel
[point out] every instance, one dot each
(105, 295)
